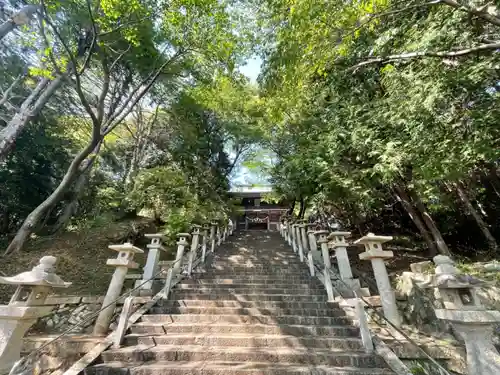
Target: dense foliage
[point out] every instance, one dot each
(107, 109)
(382, 108)
(381, 113)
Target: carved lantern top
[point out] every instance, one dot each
(127, 247)
(338, 239)
(41, 275)
(373, 247)
(156, 240)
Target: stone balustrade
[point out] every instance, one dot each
(31, 304)
(458, 295)
(25, 307)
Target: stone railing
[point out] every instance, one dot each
(31, 304)
(341, 286)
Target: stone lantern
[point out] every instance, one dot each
(468, 316)
(213, 236)
(151, 267)
(25, 307)
(204, 242)
(194, 247)
(339, 243)
(122, 262)
(375, 253)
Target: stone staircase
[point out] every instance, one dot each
(255, 311)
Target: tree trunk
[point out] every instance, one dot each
(493, 179)
(473, 212)
(31, 222)
(302, 210)
(292, 207)
(72, 207)
(429, 222)
(25, 12)
(31, 106)
(403, 198)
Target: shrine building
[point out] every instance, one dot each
(254, 212)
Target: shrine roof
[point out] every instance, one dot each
(250, 190)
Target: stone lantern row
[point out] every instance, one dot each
(457, 292)
(304, 239)
(33, 287)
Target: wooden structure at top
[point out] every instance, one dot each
(254, 212)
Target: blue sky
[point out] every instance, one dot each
(252, 68)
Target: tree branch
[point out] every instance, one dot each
(118, 117)
(479, 12)
(6, 93)
(104, 91)
(79, 90)
(92, 43)
(438, 54)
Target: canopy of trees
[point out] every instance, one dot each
(108, 107)
(385, 114)
(381, 113)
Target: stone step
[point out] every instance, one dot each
(196, 310)
(221, 295)
(256, 304)
(300, 272)
(191, 285)
(248, 319)
(280, 283)
(262, 290)
(303, 278)
(247, 340)
(227, 368)
(331, 357)
(257, 329)
(270, 265)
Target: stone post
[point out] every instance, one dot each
(295, 246)
(204, 242)
(151, 267)
(339, 244)
(286, 233)
(470, 319)
(194, 247)
(374, 253)
(25, 307)
(122, 262)
(213, 236)
(301, 240)
(224, 233)
(219, 235)
(313, 246)
(322, 240)
(176, 269)
(181, 246)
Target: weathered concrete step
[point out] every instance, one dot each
(333, 312)
(256, 329)
(261, 290)
(247, 341)
(298, 270)
(255, 304)
(271, 266)
(227, 368)
(220, 295)
(295, 279)
(331, 357)
(248, 319)
(232, 284)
